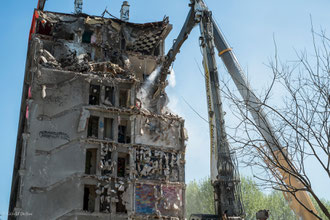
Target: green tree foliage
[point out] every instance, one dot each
(327, 205)
(199, 199)
(254, 200)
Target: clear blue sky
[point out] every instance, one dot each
(248, 26)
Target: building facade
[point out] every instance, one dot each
(93, 142)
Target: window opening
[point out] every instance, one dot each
(89, 198)
(44, 28)
(123, 98)
(94, 95)
(109, 98)
(120, 207)
(87, 36)
(124, 132)
(108, 129)
(90, 164)
(123, 43)
(123, 165)
(93, 127)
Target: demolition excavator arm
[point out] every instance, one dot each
(224, 176)
(255, 108)
(175, 49)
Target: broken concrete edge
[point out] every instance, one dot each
(48, 17)
(54, 17)
(95, 19)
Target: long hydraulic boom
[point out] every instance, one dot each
(223, 171)
(265, 128)
(237, 74)
(175, 49)
(224, 176)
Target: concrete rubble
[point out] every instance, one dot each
(97, 143)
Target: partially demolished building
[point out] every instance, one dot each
(93, 142)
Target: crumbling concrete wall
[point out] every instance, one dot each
(165, 132)
(95, 144)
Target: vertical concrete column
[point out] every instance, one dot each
(114, 157)
(132, 95)
(132, 130)
(97, 203)
(161, 48)
(98, 159)
(132, 159)
(115, 128)
(101, 128)
(102, 94)
(116, 92)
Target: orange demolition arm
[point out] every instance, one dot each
(301, 195)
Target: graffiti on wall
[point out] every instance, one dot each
(165, 200)
(145, 199)
(171, 202)
(55, 135)
(59, 100)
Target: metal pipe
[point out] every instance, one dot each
(124, 11)
(78, 6)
